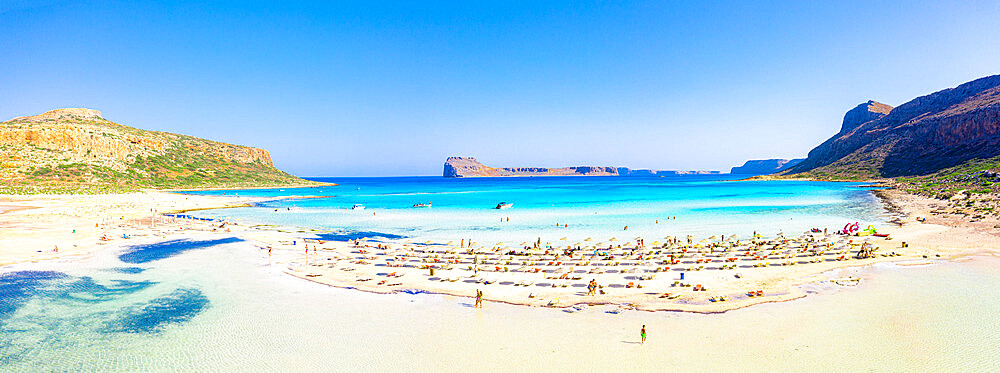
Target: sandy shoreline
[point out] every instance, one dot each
(782, 269)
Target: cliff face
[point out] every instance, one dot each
(79, 146)
(863, 113)
(926, 134)
(470, 167)
(765, 166)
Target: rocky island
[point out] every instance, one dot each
(470, 167)
(765, 166)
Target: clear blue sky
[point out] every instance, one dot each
(393, 88)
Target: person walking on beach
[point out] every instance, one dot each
(479, 299)
(643, 334)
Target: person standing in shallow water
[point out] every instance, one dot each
(642, 333)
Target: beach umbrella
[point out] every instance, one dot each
(429, 242)
(656, 243)
(450, 243)
(613, 239)
(588, 239)
(627, 244)
(562, 239)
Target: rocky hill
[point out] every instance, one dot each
(929, 133)
(470, 167)
(79, 150)
(765, 166)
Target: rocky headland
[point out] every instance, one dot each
(945, 145)
(78, 150)
(925, 135)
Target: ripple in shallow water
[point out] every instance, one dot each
(129, 270)
(17, 287)
(353, 235)
(166, 249)
(84, 289)
(176, 307)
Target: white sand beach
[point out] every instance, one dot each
(719, 273)
(870, 315)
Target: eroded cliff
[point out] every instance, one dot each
(929, 133)
(79, 146)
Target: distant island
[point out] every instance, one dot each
(77, 150)
(470, 167)
(765, 166)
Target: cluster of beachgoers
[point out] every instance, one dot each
(676, 274)
(712, 274)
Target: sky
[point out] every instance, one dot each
(374, 88)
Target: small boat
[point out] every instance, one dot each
(358, 207)
(504, 206)
(421, 205)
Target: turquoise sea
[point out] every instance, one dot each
(596, 207)
(212, 303)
